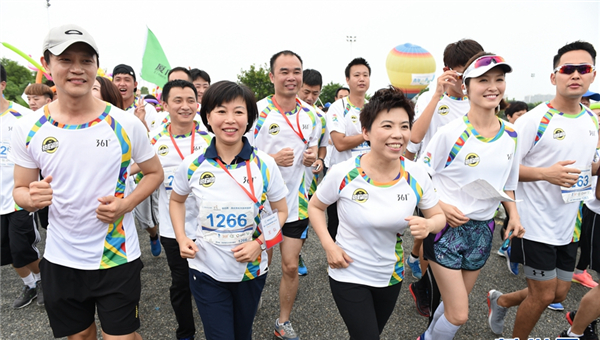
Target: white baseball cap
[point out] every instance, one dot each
(61, 37)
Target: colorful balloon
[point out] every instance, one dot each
(410, 68)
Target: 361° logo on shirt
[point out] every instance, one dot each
(50, 145)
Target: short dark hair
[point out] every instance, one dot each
(384, 100)
(110, 93)
(197, 73)
(177, 83)
(2, 73)
(354, 62)
(340, 89)
(515, 107)
(180, 69)
(312, 77)
(39, 90)
(278, 54)
(574, 46)
(224, 92)
(458, 53)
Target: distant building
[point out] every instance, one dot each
(538, 98)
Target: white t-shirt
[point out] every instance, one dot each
(310, 178)
(8, 120)
(372, 218)
(170, 160)
(271, 133)
(593, 203)
(448, 109)
(212, 186)
(457, 155)
(344, 117)
(86, 162)
(548, 136)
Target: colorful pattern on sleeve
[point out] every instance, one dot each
(115, 252)
(578, 220)
(414, 185)
(543, 125)
(398, 274)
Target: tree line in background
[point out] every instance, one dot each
(256, 78)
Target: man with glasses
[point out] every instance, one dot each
(557, 141)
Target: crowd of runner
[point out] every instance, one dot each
(220, 179)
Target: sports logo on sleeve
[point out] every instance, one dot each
(274, 129)
(360, 195)
(472, 159)
(443, 110)
(207, 179)
(50, 145)
(559, 134)
(163, 150)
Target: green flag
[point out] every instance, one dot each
(155, 65)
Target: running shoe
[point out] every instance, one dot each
(588, 334)
(302, 270)
(501, 252)
(565, 334)
(585, 279)
(27, 295)
(556, 306)
(421, 299)
(40, 293)
(496, 313)
(415, 268)
(285, 331)
(421, 337)
(512, 266)
(155, 246)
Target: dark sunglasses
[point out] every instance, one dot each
(571, 68)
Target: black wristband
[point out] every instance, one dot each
(322, 160)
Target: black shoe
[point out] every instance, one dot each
(40, 293)
(588, 334)
(421, 299)
(27, 295)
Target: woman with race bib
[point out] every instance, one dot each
(231, 182)
(376, 194)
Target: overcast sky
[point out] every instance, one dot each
(223, 37)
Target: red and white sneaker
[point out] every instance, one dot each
(585, 279)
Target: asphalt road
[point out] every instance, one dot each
(315, 315)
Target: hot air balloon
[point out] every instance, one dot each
(410, 68)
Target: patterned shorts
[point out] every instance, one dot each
(464, 247)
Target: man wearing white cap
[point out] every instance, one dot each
(84, 148)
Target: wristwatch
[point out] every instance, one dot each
(263, 246)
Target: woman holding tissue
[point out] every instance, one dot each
(376, 194)
(473, 163)
(230, 182)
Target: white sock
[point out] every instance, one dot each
(578, 271)
(436, 316)
(443, 330)
(412, 259)
(569, 333)
(37, 276)
(29, 280)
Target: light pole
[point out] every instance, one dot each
(351, 39)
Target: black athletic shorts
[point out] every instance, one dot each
(19, 238)
(294, 229)
(544, 261)
(71, 297)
